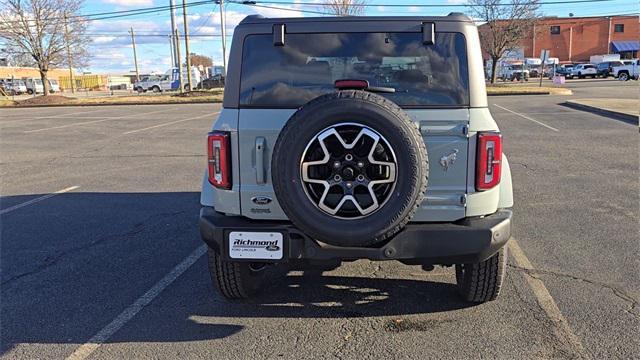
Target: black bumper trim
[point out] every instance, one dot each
(467, 241)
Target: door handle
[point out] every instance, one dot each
(260, 145)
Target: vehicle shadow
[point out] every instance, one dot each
(72, 263)
(332, 296)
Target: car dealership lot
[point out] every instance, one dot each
(111, 266)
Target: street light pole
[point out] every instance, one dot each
(66, 40)
(135, 55)
(223, 32)
(174, 40)
(186, 43)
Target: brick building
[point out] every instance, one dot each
(575, 39)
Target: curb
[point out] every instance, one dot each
(109, 104)
(633, 119)
(553, 91)
(520, 93)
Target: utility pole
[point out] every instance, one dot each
(223, 32)
(186, 42)
(135, 55)
(173, 60)
(174, 39)
(533, 42)
(609, 37)
(177, 35)
(570, 41)
(66, 40)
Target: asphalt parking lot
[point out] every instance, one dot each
(101, 256)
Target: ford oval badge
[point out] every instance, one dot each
(261, 200)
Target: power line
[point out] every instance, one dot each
(259, 3)
(151, 35)
(253, 4)
(117, 14)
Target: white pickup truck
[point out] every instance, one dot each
(155, 84)
(167, 82)
(626, 72)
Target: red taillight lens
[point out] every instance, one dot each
(489, 161)
(219, 159)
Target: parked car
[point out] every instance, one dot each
(513, 72)
(626, 72)
(54, 87)
(215, 81)
(313, 159)
(563, 70)
(583, 70)
(14, 87)
(34, 86)
(605, 69)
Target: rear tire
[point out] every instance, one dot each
(235, 280)
(623, 76)
(481, 282)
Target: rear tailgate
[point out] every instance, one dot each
(444, 132)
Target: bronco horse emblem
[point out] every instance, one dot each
(448, 160)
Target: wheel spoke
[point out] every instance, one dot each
(307, 164)
(390, 165)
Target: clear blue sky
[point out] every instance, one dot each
(111, 48)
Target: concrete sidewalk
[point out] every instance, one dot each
(627, 109)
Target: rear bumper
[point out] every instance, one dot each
(467, 241)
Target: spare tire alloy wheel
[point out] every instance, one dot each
(350, 168)
(352, 178)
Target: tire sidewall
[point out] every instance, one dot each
(288, 184)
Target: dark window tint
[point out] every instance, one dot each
(555, 30)
(619, 27)
(308, 65)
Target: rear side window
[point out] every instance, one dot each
(308, 65)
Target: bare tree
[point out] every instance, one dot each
(345, 7)
(49, 31)
(201, 60)
(506, 24)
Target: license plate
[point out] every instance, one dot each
(255, 245)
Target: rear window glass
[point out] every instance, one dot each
(309, 64)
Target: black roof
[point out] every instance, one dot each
(259, 19)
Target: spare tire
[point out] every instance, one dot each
(350, 168)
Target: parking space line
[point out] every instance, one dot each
(546, 302)
(170, 123)
(63, 115)
(49, 117)
(130, 312)
(38, 199)
(94, 121)
(528, 118)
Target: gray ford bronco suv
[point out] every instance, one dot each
(355, 138)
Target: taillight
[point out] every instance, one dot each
(219, 159)
(489, 161)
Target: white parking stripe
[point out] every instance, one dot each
(170, 123)
(38, 199)
(561, 327)
(528, 118)
(50, 116)
(125, 316)
(94, 121)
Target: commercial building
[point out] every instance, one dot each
(575, 39)
(7, 72)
